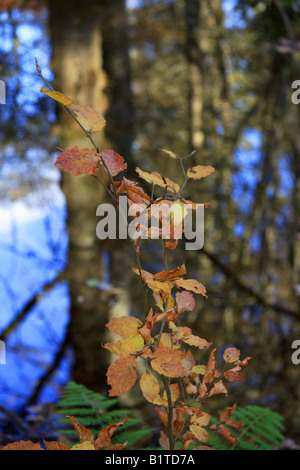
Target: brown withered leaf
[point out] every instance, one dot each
(199, 171)
(121, 375)
(114, 162)
(78, 161)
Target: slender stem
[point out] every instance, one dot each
(170, 412)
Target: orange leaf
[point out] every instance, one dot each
(22, 445)
(199, 171)
(90, 119)
(53, 445)
(105, 435)
(125, 326)
(114, 162)
(168, 275)
(84, 434)
(78, 161)
(121, 375)
(211, 368)
(168, 362)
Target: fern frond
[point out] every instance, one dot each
(95, 411)
(262, 430)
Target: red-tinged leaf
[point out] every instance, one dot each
(164, 441)
(105, 435)
(168, 362)
(169, 275)
(156, 178)
(226, 414)
(90, 119)
(125, 326)
(84, 434)
(114, 162)
(211, 368)
(171, 245)
(245, 361)
(121, 375)
(22, 445)
(57, 96)
(191, 285)
(199, 171)
(227, 434)
(231, 355)
(78, 161)
(185, 301)
(53, 445)
(145, 331)
(233, 374)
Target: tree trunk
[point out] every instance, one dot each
(78, 69)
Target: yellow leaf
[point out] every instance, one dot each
(57, 96)
(149, 387)
(84, 446)
(170, 153)
(156, 178)
(200, 370)
(126, 346)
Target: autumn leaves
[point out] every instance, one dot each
(172, 380)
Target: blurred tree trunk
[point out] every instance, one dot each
(77, 40)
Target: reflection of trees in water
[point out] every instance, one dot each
(209, 85)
